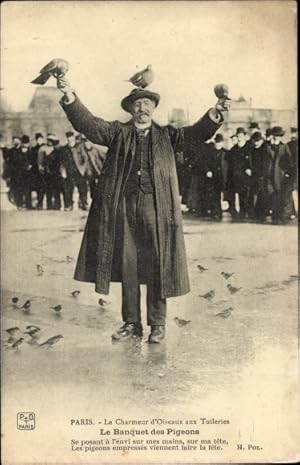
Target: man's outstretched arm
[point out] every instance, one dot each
(95, 129)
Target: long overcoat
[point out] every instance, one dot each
(100, 253)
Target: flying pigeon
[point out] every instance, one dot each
(75, 294)
(52, 340)
(201, 268)
(57, 68)
(226, 275)
(232, 289)
(209, 295)
(180, 322)
(142, 78)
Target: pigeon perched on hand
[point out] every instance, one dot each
(221, 91)
(232, 289)
(180, 322)
(52, 340)
(75, 294)
(209, 295)
(201, 268)
(57, 68)
(142, 78)
(226, 275)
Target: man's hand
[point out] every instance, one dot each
(248, 171)
(209, 174)
(64, 86)
(223, 104)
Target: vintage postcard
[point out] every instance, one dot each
(149, 239)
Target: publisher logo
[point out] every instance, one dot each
(26, 420)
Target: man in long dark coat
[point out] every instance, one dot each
(134, 231)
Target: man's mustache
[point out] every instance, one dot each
(141, 113)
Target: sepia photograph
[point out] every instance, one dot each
(149, 232)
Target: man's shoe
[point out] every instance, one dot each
(128, 330)
(157, 334)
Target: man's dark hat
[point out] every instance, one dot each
(38, 135)
(219, 138)
(277, 131)
(52, 137)
(135, 94)
(253, 125)
(69, 134)
(268, 132)
(25, 139)
(257, 136)
(240, 131)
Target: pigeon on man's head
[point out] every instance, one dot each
(209, 295)
(142, 78)
(181, 322)
(57, 68)
(232, 289)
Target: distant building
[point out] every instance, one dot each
(178, 118)
(44, 115)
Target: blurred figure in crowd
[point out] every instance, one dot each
(10, 169)
(213, 181)
(279, 177)
(197, 195)
(240, 177)
(22, 175)
(258, 156)
(293, 146)
(37, 181)
(253, 128)
(49, 162)
(269, 136)
(95, 157)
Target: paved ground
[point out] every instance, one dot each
(243, 367)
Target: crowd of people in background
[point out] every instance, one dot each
(52, 171)
(258, 171)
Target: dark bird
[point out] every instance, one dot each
(201, 268)
(15, 300)
(225, 313)
(75, 294)
(26, 306)
(180, 322)
(69, 259)
(16, 344)
(209, 295)
(232, 289)
(142, 78)
(57, 309)
(103, 303)
(39, 269)
(32, 331)
(52, 340)
(226, 275)
(13, 330)
(57, 68)
(221, 91)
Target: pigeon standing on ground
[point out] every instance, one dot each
(226, 275)
(232, 289)
(75, 294)
(180, 322)
(33, 331)
(57, 68)
(142, 78)
(16, 344)
(15, 301)
(12, 331)
(103, 303)
(52, 340)
(57, 309)
(26, 306)
(225, 313)
(40, 270)
(209, 295)
(201, 268)
(69, 259)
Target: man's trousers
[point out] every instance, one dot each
(140, 261)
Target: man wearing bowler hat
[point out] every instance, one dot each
(134, 229)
